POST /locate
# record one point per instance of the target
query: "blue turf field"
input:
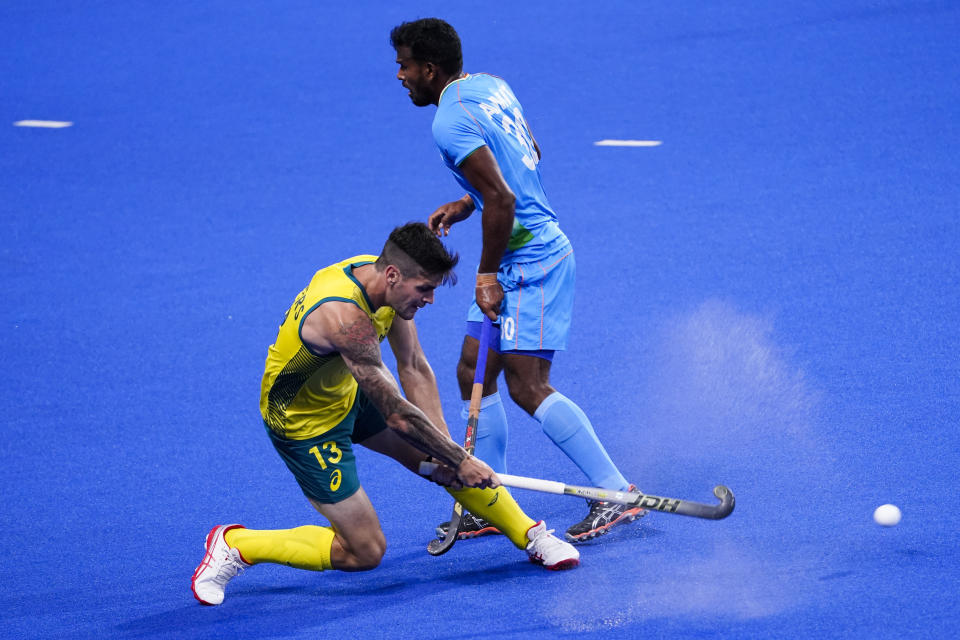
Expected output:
(768, 300)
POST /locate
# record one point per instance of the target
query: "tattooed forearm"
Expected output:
(409, 422)
(360, 348)
(414, 427)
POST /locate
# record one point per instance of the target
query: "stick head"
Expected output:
(727, 502)
(438, 547)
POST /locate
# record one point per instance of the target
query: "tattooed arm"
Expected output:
(344, 328)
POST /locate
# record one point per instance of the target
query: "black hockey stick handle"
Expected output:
(631, 498)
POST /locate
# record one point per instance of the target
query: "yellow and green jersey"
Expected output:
(304, 394)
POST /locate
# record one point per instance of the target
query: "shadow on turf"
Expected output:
(337, 594)
(401, 577)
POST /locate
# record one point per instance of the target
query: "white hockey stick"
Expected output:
(630, 498)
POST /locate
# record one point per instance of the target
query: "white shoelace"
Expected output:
(230, 568)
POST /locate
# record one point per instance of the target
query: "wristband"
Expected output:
(486, 279)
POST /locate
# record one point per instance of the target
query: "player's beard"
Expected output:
(418, 99)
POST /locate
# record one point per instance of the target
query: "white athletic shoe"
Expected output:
(550, 551)
(220, 564)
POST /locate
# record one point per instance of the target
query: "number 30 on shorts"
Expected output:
(334, 456)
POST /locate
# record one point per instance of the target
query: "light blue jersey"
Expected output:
(479, 110)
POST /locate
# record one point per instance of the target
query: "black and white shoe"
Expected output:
(470, 527)
(602, 517)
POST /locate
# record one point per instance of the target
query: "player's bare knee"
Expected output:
(369, 555)
(362, 558)
(523, 392)
(361, 553)
(528, 391)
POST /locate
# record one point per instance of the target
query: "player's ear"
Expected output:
(393, 274)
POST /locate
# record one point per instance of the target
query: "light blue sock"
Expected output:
(570, 429)
(491, 442)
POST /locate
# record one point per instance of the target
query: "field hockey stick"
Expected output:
(438, 547)
(629, 498)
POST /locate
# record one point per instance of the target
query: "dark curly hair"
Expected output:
(430, 40)
(415, 250)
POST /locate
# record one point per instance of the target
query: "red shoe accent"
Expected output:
(486, 531)
(569, 563)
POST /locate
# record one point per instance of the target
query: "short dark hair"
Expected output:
(430, 40)
(415, 250)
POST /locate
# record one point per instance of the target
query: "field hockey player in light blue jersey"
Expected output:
(525, 280)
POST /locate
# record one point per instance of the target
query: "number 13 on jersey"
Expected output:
(334, 456)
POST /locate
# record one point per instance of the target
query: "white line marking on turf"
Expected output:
(628, 143)
(43, 124)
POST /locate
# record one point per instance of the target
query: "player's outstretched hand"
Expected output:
(448, 215)
(474, 472)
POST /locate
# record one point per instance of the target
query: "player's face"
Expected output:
(412, 75)
(411, 294)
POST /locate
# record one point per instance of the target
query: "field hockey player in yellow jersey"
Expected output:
(325, 388)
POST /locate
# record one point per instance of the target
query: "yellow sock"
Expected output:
(497, 507)
(306, 547)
